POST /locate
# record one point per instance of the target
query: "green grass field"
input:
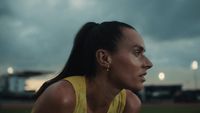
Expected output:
(154, 108)
(175, 108)
(15, 110)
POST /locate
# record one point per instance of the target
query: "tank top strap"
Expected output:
(119, 102)
(79, 85)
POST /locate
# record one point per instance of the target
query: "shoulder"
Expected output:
(133, 103)
(57, 98)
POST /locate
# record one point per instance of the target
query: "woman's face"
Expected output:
(129, 64)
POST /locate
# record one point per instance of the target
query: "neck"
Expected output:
(100, 92)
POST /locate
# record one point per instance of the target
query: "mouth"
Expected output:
(142, 78)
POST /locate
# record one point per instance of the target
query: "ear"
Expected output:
(103, 58)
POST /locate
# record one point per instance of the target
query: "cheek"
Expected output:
(126, 66)
(128, 62)
(125, 72)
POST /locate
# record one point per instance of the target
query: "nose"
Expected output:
(147, 63)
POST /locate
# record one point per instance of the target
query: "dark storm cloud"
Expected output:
(172, 19)
(30, 38)
(4, 10)
(161, 19)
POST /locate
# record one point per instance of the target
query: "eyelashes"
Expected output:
(137, 53)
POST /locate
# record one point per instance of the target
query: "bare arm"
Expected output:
(57, 98)
(133, 103)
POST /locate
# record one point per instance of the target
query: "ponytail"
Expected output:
(76, 64)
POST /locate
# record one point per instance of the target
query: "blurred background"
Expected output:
(36, 37)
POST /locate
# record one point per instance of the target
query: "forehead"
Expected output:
(131, 37)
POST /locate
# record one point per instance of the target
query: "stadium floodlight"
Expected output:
(10, 70)
(194, 67)
(161, 76)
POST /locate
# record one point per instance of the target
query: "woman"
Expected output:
(106, 65)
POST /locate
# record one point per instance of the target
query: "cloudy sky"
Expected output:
(38, 34)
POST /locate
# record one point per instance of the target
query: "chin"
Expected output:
(136, 88)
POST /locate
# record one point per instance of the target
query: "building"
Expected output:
(161, 93)
(13, 85)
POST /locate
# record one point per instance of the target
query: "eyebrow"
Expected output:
(140, 47)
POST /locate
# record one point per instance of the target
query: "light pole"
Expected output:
(194, 67)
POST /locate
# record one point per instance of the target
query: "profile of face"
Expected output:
(129, 65)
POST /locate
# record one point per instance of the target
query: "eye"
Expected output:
(137, 53)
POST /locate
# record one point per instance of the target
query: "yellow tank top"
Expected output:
(79, 85)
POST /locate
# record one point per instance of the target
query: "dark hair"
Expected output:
(91, 37)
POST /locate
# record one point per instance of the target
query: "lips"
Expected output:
(142, 77)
